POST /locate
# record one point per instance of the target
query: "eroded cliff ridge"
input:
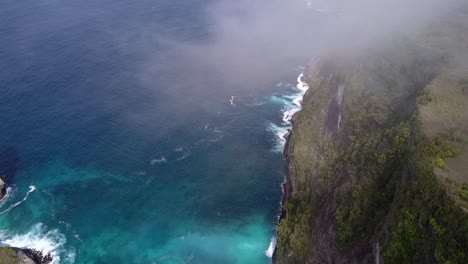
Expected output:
(375, 158)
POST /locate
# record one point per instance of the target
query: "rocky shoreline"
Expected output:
(3, 188)
(286, 188)
(14, 255)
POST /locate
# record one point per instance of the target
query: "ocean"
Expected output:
(112, 159)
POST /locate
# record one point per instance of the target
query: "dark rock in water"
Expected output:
(2, 188)
(9, 160)
(12, 255)
(36, 255)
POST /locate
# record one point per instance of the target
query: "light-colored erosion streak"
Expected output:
(333, 114)
(339, 98)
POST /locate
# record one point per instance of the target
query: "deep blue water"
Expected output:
(123, 163)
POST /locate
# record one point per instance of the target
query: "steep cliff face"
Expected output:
(362, 186)
(3, 188)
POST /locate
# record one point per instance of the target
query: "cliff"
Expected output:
(375, 175)
(3, 188)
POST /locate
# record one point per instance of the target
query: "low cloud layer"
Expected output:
(251, 41)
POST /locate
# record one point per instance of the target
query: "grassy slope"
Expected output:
(8, 256)
(444, 115)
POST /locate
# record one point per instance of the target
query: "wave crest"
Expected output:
(40, 238)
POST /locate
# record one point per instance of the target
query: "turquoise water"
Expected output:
(105, 166)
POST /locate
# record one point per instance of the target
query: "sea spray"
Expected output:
(7, 197)
(40, 238)
(32, 188)
(291, 105)
(271, 248)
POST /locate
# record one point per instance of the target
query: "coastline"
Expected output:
(24, 255)
(286, 189)
(286, 185)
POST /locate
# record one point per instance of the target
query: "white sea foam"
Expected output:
(216, 139)
(184, 156)
(280, 133)
(179, 149)
(7, 197)
(157, 161)
(288, 114)
(298, 101)
(271, 249)
(291, 105)
(32, 188)
(232, 100)
(39, 238)
(183, 151)
(301, 85)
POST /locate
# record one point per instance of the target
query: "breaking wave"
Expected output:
(7, 197)
(271, 248)
(40, 238)
(291, 103)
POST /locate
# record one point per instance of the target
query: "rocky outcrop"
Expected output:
(13, 255)
(3, 188)
(24, 258)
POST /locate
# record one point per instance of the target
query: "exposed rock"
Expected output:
(3, 188)
(23, 258)
(12, 255)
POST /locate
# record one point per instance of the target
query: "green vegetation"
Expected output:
(375, 160)
(294, 231)
(459, 190)
(305, 153)
(398, 199)
(425, 98)
(8, 256)
(394, 196)
(377, 181)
